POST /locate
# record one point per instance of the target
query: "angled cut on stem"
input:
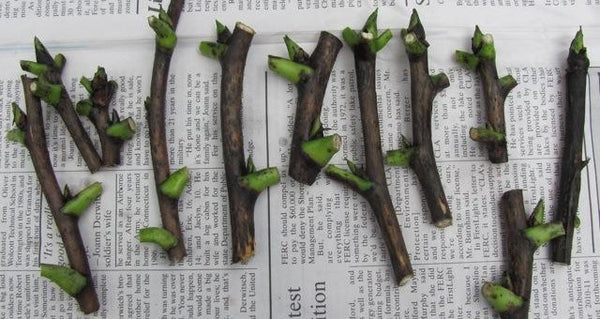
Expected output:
(310, 150)
(244, 182)
(522, 238)
(571, 160)
(164, 26)
(65, 208)
(495, 91)
(49, 87)
(419, 155)
(371, 182)
(112, 131)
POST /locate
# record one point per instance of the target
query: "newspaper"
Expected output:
(319, 251)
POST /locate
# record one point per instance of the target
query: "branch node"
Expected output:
(49, 93)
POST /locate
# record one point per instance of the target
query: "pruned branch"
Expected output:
(522, 238)
(49, 87)
(164, 26)
(111, 130)
(495, 90)
(244, 183)
(31, 128)
(419, 155)
(371, 183)
(571, 160)
(310, 150)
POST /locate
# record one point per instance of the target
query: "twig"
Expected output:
(522, 238)
(165, 26)
(310, 150)
(571, 162)
(419, 156)
(112, 131)
(65, 209)
(371, 183)
(244, 183)
(495, 90)
(49, 87)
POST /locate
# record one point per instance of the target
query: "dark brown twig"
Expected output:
(49, 87)
(310, 74)
(35, 141)
(495, 90)
(112, 131)
(244, 184)
(571, 161)
(522, 238)
(419, 156)
(164, 26)
(371, 183)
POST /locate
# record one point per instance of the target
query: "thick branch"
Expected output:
(378, 195)
(158, 141)
(311, 91)
(571, 161)
(244, 184)
(64, 105)
(35, 142)
(424, 88)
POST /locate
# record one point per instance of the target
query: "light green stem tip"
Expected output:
(159, 236)
(414, 20)
(501, 298)
(78, 204)
(173, 186)
(486, 135)
(379, 43)
(69, 280)
(371, 24)
(50, 93)
(322, 149)
(542, 234)
(165, 35)
(212, 50)
(294, 50)
(33, 67)
(351, 37)
(258, 181)
(87, 84)
(291, 70)
(537, 216)
(577, 43)
(347, 177)
(220, 27)
(470, 61)
(16, 135)
(122, 130)
(84, 107)
(398, 157)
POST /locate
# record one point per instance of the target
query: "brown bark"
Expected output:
(35, 142)
(571, 161)
(311, 91)
(158, 141)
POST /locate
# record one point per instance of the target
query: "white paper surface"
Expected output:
(319, 252)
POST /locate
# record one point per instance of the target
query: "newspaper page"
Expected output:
(319, 251)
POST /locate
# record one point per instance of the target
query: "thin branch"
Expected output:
(522, 238)
(310, 74)
(571, 161)
(419, 155)
(495, 90)
(164, 26)
(35, 141)
(49, 87)
(244, 183)
(112, 131)
(371, 183)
